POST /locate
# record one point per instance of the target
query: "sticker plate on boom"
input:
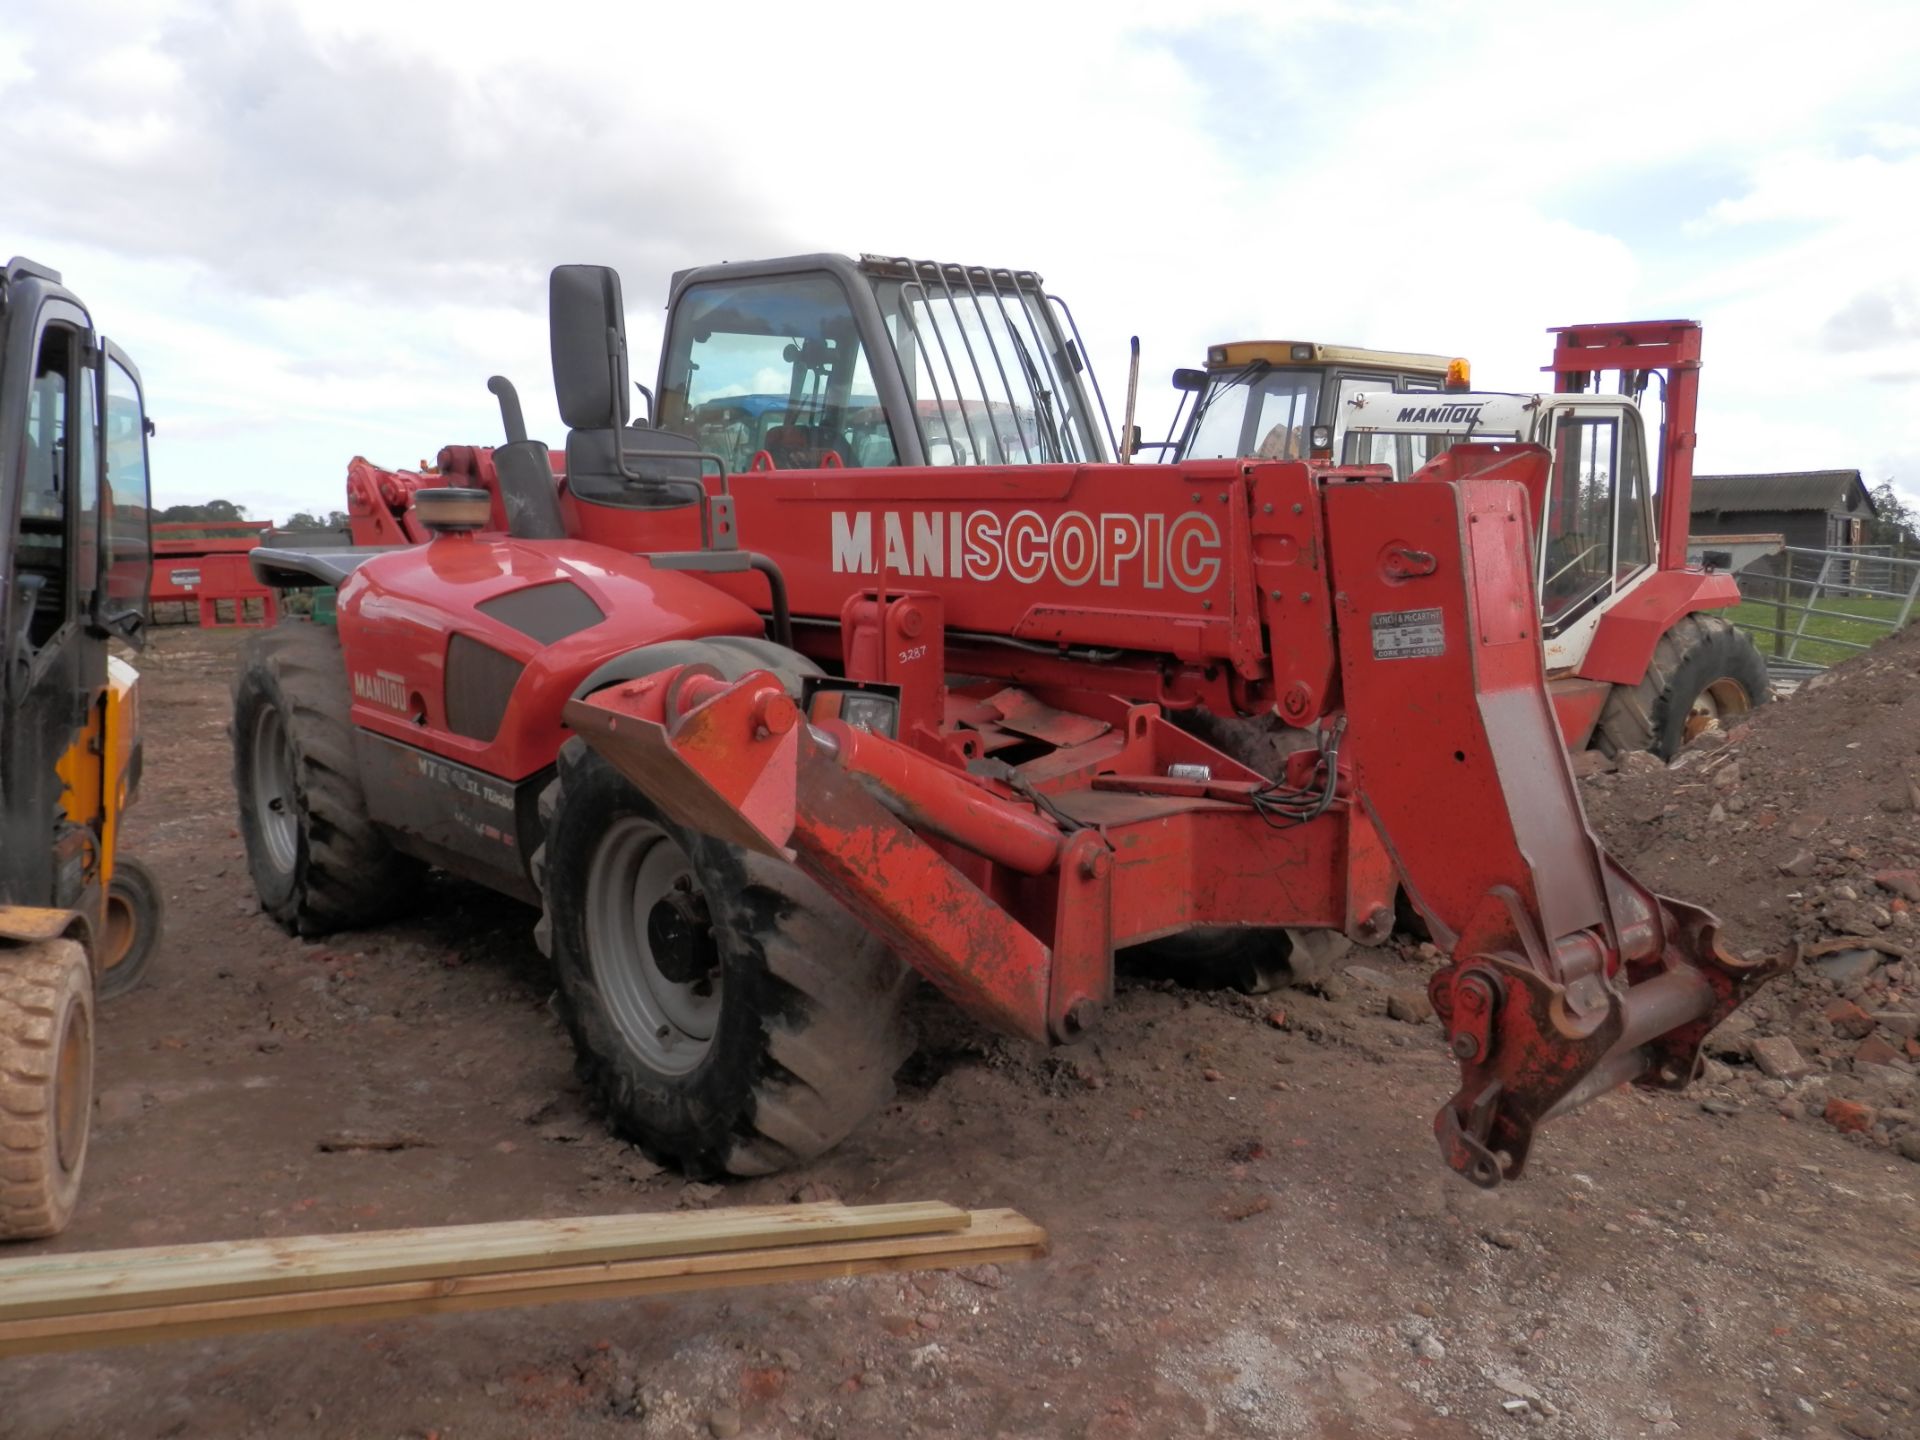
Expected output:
(1408, 634)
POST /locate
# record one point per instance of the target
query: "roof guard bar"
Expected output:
(940, 339)
(1055, 404)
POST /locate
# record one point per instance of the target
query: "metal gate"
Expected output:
(1810, 609)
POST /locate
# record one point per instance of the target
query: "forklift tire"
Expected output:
(46, 1085)
(319, 862)
(783, 1031)
(1703, 672)
(132, 932)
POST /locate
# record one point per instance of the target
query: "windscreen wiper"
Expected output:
(1042, 398)
(1245, 375)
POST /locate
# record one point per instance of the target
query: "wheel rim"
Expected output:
(274, 801)
(72, 1096)
(649, 948)
(121, 927)
(1721, 699)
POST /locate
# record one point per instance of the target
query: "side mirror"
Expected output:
(588, 327)
(1192, 381)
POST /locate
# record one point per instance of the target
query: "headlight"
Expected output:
(878, 713)
(870, 707)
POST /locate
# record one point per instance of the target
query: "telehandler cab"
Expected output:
(78, 920)
(986, 723)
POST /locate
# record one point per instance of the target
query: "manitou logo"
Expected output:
(1074, 548)
(1439, 415)
(381, 688)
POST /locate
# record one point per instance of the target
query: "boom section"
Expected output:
(1011, 839)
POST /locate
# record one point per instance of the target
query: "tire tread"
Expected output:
(36, 1200)
(351, 876)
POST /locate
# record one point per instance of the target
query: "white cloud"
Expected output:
(320, 226)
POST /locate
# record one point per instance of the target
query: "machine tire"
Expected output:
(810, 1024)
(131, 935)
(1702, 669)
(325, 866)
(46, 1085)
(812, 1019)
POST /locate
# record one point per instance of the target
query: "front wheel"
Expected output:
(1704, 673)
(728, 1014)
(46, 1085)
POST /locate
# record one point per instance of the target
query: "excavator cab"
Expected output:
(76, 920)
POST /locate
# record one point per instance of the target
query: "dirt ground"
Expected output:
(1252, 1234)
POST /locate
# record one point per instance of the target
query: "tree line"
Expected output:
(225, 511)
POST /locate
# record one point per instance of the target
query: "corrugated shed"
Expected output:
(1788, 490)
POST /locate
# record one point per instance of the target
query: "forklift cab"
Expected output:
(74, 925)
(1595, 534)
(73, 573)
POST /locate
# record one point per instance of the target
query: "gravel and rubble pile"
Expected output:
(1800, 828)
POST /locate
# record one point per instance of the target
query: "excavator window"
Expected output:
(773, 365)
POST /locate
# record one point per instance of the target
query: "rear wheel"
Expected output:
(319, 863)
(728, 1014)
(46, 1085)
(1703, 674)
(131, 934)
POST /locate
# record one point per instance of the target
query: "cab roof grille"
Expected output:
(900, 267)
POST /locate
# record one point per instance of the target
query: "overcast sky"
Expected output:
(318, 227)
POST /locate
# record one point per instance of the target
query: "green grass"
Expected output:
(1818, 627)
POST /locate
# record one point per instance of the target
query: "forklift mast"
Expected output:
(1636, 351)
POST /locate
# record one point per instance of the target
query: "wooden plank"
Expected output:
(121, 1279)
(994, 1236)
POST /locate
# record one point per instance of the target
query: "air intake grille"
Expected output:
(545, 612)
(480, 682)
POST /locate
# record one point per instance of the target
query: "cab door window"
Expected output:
(1576, 561)
(774, 365)
(128, 506)
(47, 498)
(1633, 544)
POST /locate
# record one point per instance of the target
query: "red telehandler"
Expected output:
(984, 723)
